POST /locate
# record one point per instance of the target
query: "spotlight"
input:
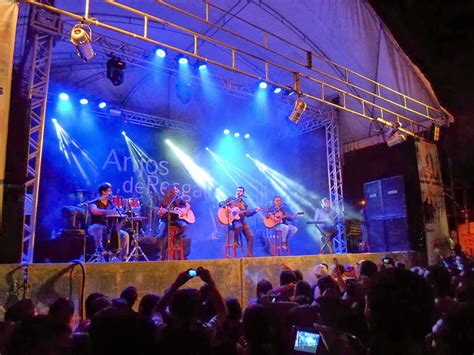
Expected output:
(54, 120)
(298, 110)
(160, 52)
(247, 155)
(83, 101)
(81, 35)
(102, 104)
(226, 131)
(207, 148)
(201, 65)
(115, 73)
(262, 85)
(236, 134)
(182, 59)
(394, 136)
(63, 96)
(247, 135)
(124, 133)
(115, 113)
(167, 141)
(277, 90)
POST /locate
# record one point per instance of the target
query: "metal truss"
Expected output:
(44, 25)
(334, 167)
(393, 108)
(142, 119)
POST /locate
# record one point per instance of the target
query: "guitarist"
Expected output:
(241, 225)
(170, 201)
(282, 215)
(327, 226)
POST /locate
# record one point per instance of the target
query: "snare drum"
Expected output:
(119, 202)
(134, 205)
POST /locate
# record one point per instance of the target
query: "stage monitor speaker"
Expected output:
(396, 234)
(390, 234)
(385, 198)
(376, 236)
(373, 200)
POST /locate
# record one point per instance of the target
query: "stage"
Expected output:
(234, 277)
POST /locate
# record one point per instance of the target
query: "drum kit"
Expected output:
(128, 216)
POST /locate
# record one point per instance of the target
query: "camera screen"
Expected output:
(192, 273)
(306, 341)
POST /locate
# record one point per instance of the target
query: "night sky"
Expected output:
(438, 36)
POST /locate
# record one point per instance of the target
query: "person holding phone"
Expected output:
(184, 333)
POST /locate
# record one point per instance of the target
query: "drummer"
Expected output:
(105, 214)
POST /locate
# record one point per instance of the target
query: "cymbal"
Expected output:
(137, 218)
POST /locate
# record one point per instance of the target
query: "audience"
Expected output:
(360, 309)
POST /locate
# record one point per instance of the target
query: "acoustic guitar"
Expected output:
(277, 218)
(226, 215)
(187, 216)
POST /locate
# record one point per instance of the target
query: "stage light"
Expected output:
(237, 134)
(115, 71)
(247, 135)
(276, 90)
(102, 104)
(63, 96)
(83, 101)
(201, 65)
(298, 110)
(182, 59)
(394, 136)
(115, 113)
(124, 133)
(160, 52)
(81, 35)
(54, 120)
(262, 85)
(167, 141)
(207, 148)
(226, 131)
(247, 155)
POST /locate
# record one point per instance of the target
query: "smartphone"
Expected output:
(192, 273)
(306, 341)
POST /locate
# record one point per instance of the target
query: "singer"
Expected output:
(172, 201)
(240, 225)
(107, 221)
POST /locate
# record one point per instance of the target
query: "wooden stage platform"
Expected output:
(234, 277)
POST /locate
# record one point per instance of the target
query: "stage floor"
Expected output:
(234, 277)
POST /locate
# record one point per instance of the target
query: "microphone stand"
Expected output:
(168, 220)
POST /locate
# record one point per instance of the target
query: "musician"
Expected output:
(241, 225)
(284, 216)
(326, 217)
(100, 209)
(172, 200)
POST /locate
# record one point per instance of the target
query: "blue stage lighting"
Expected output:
(247, 155)
(54, 120)
(124, 133)
(226, 131)
(84, 101)
(201, 65)
(262, 85)
(182, 59)
(247, 135)
(276, 90)
(63, 96)
(160, 52)
(236, 134)
(207, 148)
(102, 104)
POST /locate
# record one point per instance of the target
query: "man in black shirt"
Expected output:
(105, 219)
(240, 224)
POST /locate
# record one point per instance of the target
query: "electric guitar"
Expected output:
(226, 215)
(277, 218)
(187, 216)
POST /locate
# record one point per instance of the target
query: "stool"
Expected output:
(175, 250)
(231, 245)
(276, 244)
